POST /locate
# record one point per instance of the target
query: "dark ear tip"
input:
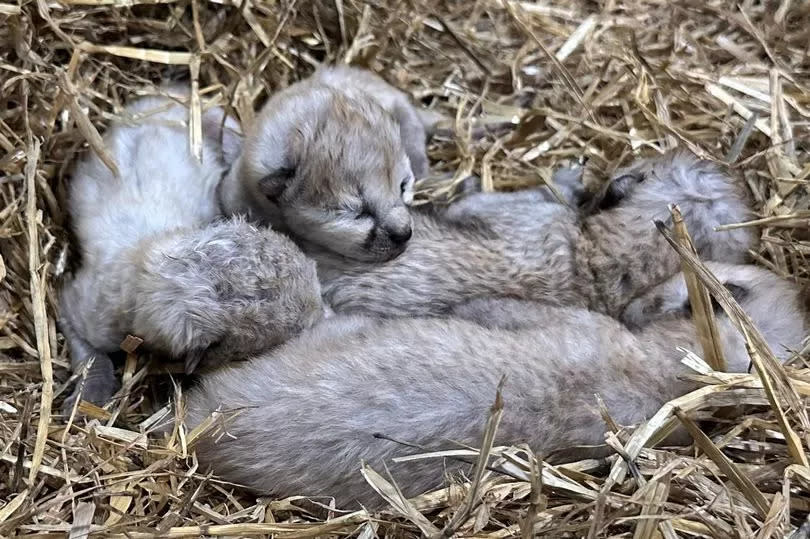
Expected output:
(287, 172)
(739, 293)
(716, 307)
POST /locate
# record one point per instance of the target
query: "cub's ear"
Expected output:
(414, 138)
(225, 130)
(231, 144)
(273, 185)
(618, 188)
(738, 292)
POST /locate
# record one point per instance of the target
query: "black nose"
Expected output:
(400, 236)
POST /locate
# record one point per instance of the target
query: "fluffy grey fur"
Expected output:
(331, 161)
(519, 245)
(153, 265)
(309, 411)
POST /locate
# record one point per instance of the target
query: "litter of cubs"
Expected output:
(336, 268)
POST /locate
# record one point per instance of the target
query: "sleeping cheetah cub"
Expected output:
(331, 161)
(154, 266)
(520, 245)
(425, 381)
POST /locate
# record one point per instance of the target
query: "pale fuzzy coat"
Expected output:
(331, 162)
(309, 411)
(153, 265)
(520, 245)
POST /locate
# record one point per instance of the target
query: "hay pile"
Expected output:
(524, 85)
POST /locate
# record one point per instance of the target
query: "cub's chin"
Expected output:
(361, 251)
(375, 251)
(383, 255)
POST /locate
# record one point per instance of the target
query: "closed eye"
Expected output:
(274, 184)
(638, 177)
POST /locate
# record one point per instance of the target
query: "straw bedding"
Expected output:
(523, 86)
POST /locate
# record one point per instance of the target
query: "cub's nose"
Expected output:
(400, 235)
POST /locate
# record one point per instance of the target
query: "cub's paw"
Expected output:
(97, 389)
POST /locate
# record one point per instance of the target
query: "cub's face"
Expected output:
(344, 181)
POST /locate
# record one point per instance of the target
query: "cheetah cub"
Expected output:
(154, 265)
(521, 245)
(424, 381)
(331, 161)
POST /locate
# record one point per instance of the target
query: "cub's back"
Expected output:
(161, 186)
(308, 412)
(447, 263)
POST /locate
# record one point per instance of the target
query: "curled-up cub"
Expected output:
(429, 381)
(156, 263)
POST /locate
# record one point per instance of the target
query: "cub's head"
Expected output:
(707, 195)
(777, 306)
(329, 169)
